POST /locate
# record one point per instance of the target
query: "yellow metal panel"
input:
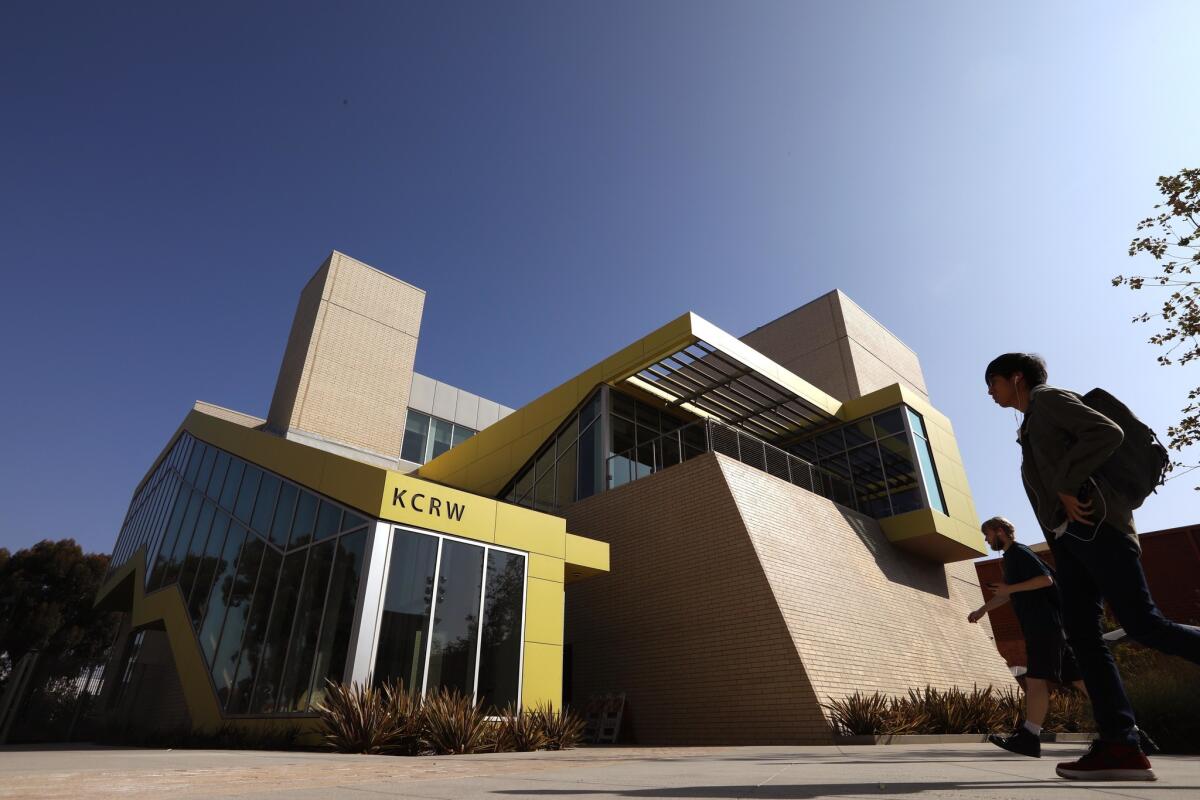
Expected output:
(961, 538)
(547, 568)
(357, 484)
(868, 404)
(584, 552)
(531, 531)
(439, 508)
(544, 612)
(542, 679)
(625, 362)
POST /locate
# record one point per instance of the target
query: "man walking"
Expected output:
(1029, 585)
(1091, 532)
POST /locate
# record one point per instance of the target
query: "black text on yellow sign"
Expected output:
(428, 504)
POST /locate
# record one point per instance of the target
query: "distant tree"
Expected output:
(46, 602)
(1172, 238)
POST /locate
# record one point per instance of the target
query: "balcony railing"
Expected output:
(711, 436)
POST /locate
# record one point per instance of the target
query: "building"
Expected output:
(1170, 559)
(729, 531)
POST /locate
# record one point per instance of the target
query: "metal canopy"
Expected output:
(705, 378)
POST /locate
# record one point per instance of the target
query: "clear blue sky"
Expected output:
(566, 177)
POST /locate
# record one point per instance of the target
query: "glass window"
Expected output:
(175, 562)
(193, 466)
(191, 559)
(416, 432)
(591, 462)
(567, 469)
(233, 480)
(206, 468)
(285, 509)
(590, 410)
(404, 629)
(264, 506)
(915, 422)
(622, 404)
(241, 592)
(334, 646)
(900, 472)
(306, 520)
(207, 569)
(293, 690)
(218, 475)
(256, 631)
(247, 493)
(456, 625)
(525, 483)
(543, 492)
(622, 437)
(867, 473)
(350, 521)
(889, 423)
(461, 434)
(932, 487)
(328, 519)
(169, 538)
(830, 444)
(275, 644)
(440, 438)
(222, 592)
(500, 650)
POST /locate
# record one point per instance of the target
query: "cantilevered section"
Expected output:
(689, 362)
(692, 365)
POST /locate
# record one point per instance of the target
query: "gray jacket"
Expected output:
(1063, 443)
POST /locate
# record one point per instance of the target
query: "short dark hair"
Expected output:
(1031, 367)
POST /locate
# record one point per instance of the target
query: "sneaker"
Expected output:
(1148, 745)
(1022, 741)
(1109, 761)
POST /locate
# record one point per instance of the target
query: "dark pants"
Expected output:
(1108, 567)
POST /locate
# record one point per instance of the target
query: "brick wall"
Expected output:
(737, 603)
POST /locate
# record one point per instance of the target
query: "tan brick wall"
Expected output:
(736, 603)
(347, 369)
(839, 348)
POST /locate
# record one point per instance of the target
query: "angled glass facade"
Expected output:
(426, 437)
(269, 573)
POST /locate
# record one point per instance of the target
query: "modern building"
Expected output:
(730, 532)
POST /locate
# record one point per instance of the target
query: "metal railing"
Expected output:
(711, 436)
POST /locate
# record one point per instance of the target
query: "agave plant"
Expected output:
(358, 718)
(563, 729)
(859, 714)
(454, 723)
(519, 731)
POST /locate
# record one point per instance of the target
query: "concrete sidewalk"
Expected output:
(980, 772)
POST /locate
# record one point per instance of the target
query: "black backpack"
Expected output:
(1139, 466)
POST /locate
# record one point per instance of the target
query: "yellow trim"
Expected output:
(934, 535)
(544, 612)
(543, 675)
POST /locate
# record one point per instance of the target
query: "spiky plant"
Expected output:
(859, 714)
(357, 718)
(563, 729)
(518, 731)
(455, 724)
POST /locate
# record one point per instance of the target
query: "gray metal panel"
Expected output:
(445, 398)
(489, 412)
(466, 412)
(505, 411)
(421, 396)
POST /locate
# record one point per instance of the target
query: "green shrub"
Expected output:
(563, 729)
(454, 724)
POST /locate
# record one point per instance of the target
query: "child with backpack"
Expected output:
(1073, 458)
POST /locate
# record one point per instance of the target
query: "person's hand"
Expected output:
(1077, 510)
(975, 615)
(1001, 589)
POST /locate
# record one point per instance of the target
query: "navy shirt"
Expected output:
(1037, 611)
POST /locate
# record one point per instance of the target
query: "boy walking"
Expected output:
(1090, 529)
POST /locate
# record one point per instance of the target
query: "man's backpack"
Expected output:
(1139, 466)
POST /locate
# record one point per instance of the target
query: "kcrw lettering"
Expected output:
(434, 506)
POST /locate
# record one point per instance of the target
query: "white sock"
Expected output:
(1036, 730)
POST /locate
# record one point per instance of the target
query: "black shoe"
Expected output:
(1022, 741)
(1147, 744)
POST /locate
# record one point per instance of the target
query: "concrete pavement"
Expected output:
(979, 772)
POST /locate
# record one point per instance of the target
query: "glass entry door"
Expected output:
(432, 638)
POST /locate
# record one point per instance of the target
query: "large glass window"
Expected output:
(404, 629)
(434, 639)
(268, 572)
(426, 437)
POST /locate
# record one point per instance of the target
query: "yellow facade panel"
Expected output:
(531, 531)
(543, 674)
(544, 612)
(584, 552)
(548, 568)
(624, 362)
(430, 505)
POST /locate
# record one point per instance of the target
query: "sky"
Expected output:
(567, 177)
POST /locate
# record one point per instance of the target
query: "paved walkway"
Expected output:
(979, 772)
